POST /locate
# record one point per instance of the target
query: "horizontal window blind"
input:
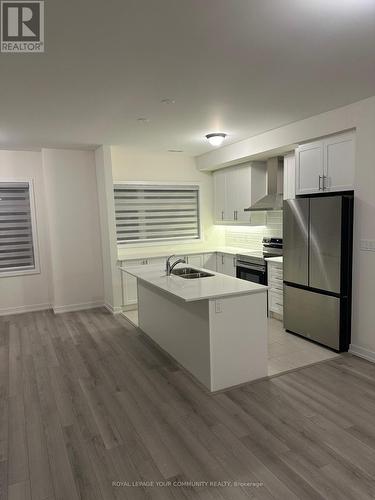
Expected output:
(153, 213)
(16, 239)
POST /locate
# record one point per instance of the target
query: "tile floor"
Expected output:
(285, 351)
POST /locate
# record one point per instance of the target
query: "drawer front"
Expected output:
(275, 272)
(275, 283)
(276, 303)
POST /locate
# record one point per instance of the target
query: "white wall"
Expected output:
(134, 165)
(111, 275)
(360, 115)
(29, 292)
(74, 228)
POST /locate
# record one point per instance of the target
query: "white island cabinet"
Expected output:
(215, 327)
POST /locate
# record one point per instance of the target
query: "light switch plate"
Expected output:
(367, 245)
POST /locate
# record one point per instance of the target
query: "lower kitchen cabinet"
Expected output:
(129, 283)
(275, 291)
(226, 264)
(209, 261)
(195, 260)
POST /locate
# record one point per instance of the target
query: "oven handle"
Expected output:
(253, 267)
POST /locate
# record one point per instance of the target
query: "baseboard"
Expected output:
(113, 310)
(77, 307)
(362, 352)
(24, 309)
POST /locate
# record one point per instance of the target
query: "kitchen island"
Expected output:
(215, 326)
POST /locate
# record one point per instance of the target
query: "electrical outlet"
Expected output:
(218, 306)
(367, 245)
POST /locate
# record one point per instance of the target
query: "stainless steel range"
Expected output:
(252, 266)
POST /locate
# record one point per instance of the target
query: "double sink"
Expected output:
(188, 273)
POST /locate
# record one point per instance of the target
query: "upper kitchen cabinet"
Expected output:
(326, 165)
(235, 188)
(339, 161)
(309, 167)
(289, 176)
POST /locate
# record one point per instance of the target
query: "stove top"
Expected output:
(272, 247)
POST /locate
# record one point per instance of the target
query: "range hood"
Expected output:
(274, 197)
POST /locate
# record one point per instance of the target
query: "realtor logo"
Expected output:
(22, 26)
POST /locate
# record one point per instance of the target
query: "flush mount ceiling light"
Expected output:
(168, 100)
(216, 139)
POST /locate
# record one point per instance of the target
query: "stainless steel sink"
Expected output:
(189, 273)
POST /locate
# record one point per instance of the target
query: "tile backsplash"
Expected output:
(251, 236)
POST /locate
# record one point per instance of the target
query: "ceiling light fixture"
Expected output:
(168, 100)
(216, 139)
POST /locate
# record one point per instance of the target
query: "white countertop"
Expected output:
(148, 253)
(212, 287)
(274, 259)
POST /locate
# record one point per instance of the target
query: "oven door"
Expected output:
(252, 272)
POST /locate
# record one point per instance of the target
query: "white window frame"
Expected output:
(36, 269)
(163, 242)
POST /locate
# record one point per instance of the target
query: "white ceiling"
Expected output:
(237, 66)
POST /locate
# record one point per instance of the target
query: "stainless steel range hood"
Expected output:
(274, 197)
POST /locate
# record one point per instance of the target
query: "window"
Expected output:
(146, 213)
(17, 248)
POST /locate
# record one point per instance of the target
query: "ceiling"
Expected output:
(238, 66)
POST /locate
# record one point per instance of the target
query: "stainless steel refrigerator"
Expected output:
(318, 240)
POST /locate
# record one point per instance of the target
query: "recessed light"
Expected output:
(167, 100)
(216, 139)
(143, 120)
(175, 150)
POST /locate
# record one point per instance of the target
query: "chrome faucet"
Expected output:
(169, 267)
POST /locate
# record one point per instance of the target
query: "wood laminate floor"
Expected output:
(89, 409)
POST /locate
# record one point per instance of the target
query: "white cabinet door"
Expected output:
(339, 162)
(130, 283)
(289, 177)
(229, 265)
(226, 264)
(220, 262)
(220, 196)
(239, 193)
(236, 188)
(309, 168)
(209, 261)
(194, 260)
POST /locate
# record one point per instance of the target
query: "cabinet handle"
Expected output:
(222, 259)
(325, 186)
(222, 215)
(236, 215)
(321, 177)
(234, 261)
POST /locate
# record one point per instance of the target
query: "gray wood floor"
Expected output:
(85, 401)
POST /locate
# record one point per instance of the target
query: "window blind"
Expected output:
(153, 213)
(16, 239)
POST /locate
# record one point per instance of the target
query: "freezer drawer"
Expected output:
(312, 315)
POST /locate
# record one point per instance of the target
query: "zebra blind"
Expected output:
(147, 213)
(16, 238)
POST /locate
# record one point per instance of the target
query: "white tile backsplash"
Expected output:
(251, 236)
